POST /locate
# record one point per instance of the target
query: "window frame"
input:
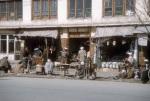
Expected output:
(13, 13)
(3, 17)
(7, 43)
(114, 8)
(48, 15)
(84, 8)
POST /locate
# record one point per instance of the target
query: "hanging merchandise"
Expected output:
(107, 43)
(123, 42)
(114, 43)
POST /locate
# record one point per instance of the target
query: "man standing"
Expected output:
(64, 55)
(81, 54)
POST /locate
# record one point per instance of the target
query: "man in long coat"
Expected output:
(81, 54)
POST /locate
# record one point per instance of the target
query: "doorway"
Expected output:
(76, 43)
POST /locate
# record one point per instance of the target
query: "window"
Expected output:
(129, 7)
(118, 7)
(19, 10)
(3, 43)
(3, 10)
(79, 8)
(108, 7)
(11, 44)
(53, 10)
(6, 43)
(44, 9)
(11, 10)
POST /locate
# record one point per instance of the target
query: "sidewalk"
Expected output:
(102, 75)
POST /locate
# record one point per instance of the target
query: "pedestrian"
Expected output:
(49, 65)
(52, 53)
(26, 52)
(64, 55)
(45, 54)
(81, 54)
(25, 57)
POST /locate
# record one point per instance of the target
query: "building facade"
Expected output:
(106, 28)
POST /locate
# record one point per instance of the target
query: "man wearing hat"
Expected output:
(81, 54)
(64, 55)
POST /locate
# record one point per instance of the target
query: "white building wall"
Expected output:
(62, 21)
(62, 11)
(96, 11)
(27, 12)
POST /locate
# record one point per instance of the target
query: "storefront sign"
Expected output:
(78, 35)
(64, 35)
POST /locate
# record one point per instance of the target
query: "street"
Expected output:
(44, 89)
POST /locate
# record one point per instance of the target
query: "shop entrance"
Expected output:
(41, 42)
(116, 48)
(76, 43)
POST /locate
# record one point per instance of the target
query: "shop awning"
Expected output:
(113, 31)
(142, 29)
(43, 33)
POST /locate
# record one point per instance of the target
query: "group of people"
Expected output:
(127, 70)
(82, 54)
(83, 58)
(45, 55)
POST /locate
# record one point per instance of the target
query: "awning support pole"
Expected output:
(46, 47)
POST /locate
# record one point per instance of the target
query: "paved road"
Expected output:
(44, 89)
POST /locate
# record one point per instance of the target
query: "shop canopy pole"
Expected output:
(46, 47)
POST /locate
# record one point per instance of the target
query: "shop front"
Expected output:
(41, 39)
(142, 33)
(74, 38)
(113, 44)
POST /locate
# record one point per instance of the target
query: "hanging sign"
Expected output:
(142, 39)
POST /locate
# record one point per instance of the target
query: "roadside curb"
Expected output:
(109, 79)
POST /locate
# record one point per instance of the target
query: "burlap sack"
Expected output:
(18, 68)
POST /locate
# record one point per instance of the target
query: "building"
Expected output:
(106, 28)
